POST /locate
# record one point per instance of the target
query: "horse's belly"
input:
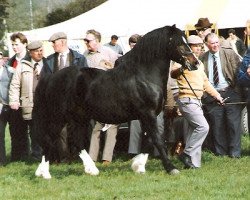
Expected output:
(110, 115)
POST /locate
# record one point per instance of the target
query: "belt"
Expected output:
(223, 89)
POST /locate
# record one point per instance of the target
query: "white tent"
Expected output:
(126, 17)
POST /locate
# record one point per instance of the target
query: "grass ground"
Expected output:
(219, 178)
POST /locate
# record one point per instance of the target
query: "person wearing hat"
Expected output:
(22, 88)
(63, 56)
(189, 102)
(203, 27)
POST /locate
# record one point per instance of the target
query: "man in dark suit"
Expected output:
(61, 58)
(221, 66)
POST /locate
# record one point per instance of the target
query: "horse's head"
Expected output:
(180, 50)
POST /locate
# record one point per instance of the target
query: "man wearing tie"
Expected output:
(63, 56)
(22, 89)
(221, 65)
(66, 57)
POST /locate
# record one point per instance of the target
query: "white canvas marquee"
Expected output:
(127, 17)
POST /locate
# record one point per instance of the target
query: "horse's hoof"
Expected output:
(174, 172)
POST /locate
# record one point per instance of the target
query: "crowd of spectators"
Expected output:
(223, 73)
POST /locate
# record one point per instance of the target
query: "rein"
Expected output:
(190, 87)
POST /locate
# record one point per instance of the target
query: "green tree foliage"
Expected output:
(20, 13)
(25, 14)
(71, 10)
(57, 16)
(3, 15)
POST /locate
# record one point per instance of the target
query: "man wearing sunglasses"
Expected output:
(203, 27)
(100, 57)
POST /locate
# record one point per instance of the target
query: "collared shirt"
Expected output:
(39, 66)
(65, 57)
(222, 81)
(102, 59)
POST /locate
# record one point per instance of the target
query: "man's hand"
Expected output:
(14, 106)
(220, 100)
(248, 70)
(106, 64)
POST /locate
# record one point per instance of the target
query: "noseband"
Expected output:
(186, 62)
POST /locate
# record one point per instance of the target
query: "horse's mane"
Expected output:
(154, 45)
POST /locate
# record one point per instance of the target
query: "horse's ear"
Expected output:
(174, 26)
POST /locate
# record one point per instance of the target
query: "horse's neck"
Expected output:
(161, 67)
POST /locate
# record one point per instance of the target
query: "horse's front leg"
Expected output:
(151, 127)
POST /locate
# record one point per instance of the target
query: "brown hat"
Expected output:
(57, 36)
(203, 23)
(34, 45)
(194, 39)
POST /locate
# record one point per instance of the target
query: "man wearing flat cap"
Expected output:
(63, 56)
(189, 102)
(23, 85)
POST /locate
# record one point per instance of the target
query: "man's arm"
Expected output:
(14, 90)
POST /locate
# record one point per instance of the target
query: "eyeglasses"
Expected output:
(87, 40)
(201, 29)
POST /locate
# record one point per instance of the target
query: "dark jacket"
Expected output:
(76, 59)
(13, 58)
(241, 48)
(243, 77)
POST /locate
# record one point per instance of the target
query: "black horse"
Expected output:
(134, 89)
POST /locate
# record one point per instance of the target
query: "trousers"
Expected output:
(135, 139)
(110, 141)
(197, 128)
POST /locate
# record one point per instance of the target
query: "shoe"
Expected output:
(234, 156)
(106, 162)
(186, 160)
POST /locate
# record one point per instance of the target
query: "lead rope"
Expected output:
(182, 73)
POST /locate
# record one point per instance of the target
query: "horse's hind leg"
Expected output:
(150, 126)
(58, 135)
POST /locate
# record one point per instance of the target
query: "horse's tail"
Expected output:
(40, 115)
